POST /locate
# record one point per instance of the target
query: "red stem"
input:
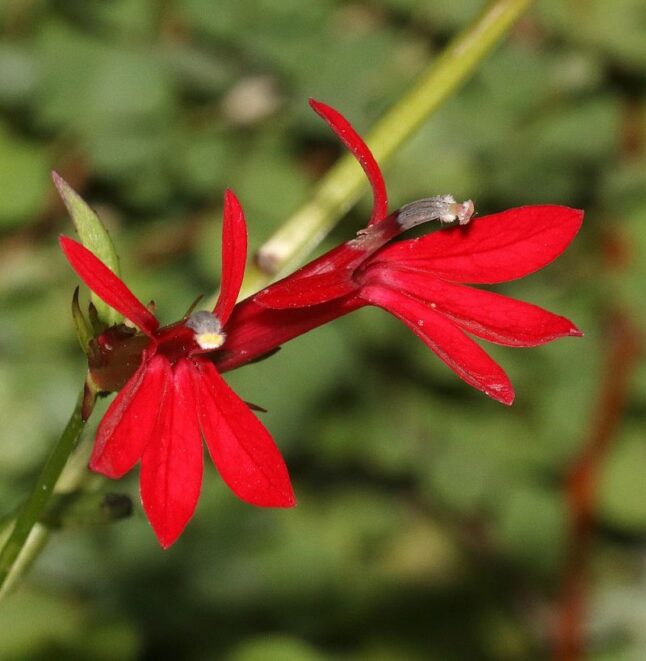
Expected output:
(582, 484)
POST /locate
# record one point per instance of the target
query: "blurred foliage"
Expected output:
(431, 521)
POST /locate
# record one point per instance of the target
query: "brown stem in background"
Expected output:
(582, 482)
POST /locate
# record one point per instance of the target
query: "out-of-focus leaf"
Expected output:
(18, 73)
(81, 509)
(69, 61)
(128, 89)
(126, 18)
(34, 620)
(199, 71)
(614, 29)
(205, 163)
(623, 488)
(23, 179)
(276, 648)
(267, 173)
(532, 526)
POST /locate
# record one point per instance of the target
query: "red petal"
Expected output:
(311, 290)
(129, 422)
(459, 352)
(353, 141)
(254, 331)
(105, 284)
(171, 467)
(240, 446)
(483, 313)
(234, 256)
(496, 248)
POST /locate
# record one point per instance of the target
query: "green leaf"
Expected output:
(19, 75)
(23, 178)
(94, 237)
(35, 619)
(622, 499)
(275, 647)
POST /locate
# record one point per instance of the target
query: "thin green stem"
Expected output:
(34, 545)
(343, 184)
(40, 494)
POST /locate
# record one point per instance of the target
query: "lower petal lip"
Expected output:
(241, 447)
(458, 351)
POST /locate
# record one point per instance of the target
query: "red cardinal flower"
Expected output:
(176, 396)
(171, 388)
(418, 281)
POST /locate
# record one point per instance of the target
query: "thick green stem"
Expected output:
(33, 508)
(343, 184)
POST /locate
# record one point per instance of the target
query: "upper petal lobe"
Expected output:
(497, 248)
(107, 286)
(353, 141)
(234, 256)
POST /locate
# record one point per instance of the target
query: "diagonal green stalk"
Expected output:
(334, 195)
(344, 183)
(31, 511)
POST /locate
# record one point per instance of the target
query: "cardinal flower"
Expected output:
(171, 391)
(176, 396)
(419, 281)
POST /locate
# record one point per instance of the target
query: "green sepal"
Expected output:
(90, 391)
(83, 508)
(98, 325)
(94, 236)
(82, 326)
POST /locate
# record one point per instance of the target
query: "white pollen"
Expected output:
(207, 328)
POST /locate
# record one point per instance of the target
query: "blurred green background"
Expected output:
(431, 521)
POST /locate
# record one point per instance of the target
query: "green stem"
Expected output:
(40, 495)
(343, 184)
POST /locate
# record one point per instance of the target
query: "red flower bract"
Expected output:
(177, 395)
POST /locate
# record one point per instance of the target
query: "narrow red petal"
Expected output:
(485, 314)
(353, 141)
(306, 291)
(329, 276)
(496, 248)
(254, 331)
(129, 423)
(172, 464)
(109, 287)
(467, 359)
(240, 446)
(234, 256)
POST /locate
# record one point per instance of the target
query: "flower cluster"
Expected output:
(172, 394)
